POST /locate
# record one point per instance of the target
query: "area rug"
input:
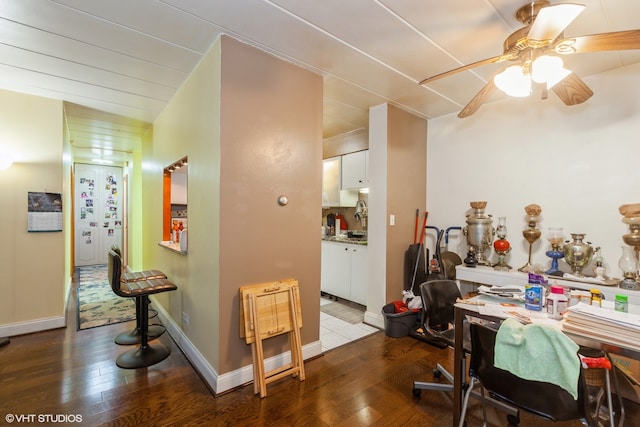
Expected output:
(347, 311)
(97, 304)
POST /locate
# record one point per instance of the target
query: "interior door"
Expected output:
(99, 213)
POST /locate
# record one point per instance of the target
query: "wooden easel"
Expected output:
(268, 310)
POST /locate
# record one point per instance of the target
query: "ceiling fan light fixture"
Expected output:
(513, 81)
(548, 69)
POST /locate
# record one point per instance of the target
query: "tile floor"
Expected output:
(335, 332)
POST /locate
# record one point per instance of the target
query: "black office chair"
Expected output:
(545, 400)
(145, 355)
(438, 300)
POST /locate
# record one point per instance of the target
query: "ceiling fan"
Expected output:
(536, 51)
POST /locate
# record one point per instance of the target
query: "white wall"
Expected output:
(578, 163)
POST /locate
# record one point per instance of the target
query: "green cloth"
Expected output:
(538, 352)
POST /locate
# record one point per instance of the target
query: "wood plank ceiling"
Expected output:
(117, 63)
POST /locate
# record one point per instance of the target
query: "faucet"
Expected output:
(362, 212)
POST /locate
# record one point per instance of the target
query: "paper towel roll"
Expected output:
(337, 226)
(183, 240)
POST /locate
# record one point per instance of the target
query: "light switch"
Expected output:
(392, 220)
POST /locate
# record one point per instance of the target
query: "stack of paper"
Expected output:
(603, 324)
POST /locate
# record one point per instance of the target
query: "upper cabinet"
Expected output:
(355, 170)
(179, 186)
(331, 181)
(332, 194)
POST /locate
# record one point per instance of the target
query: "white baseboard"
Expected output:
(220, 383)
(38, 325)
(374, 319)
(32, 326)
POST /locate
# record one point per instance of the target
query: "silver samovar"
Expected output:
(479, 231)
(577, 253)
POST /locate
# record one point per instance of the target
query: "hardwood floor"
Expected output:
(68, 373)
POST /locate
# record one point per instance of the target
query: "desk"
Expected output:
(463, 310)
(488, 276)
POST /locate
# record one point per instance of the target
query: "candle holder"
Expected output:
(629, 261)
(501, 246)
(555, 237)
(629, 266)
(531, 233)
(598, 264)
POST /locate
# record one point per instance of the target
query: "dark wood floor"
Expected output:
(368, 382)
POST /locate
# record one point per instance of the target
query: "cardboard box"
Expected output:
(629, 381)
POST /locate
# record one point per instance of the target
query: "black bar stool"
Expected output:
(145, 355)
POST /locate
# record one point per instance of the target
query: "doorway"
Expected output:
(341, 322)
(99, 214)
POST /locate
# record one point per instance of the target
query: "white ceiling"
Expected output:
(128, 57)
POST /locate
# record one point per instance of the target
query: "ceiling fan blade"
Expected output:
(618, 40)
(572, 90)
(551, 21)
(480, 98)
(487, 61)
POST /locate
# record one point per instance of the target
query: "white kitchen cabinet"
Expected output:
(336, 270)
(332, 194)
(344, 271)
(354, 170)
(359, 274)
(331, 181)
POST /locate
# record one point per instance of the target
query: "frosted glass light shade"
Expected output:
(513, 81)
(5, 161)
(628, 263)
(548, 69)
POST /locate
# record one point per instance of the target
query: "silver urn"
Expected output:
(479, 232)
(577, 253)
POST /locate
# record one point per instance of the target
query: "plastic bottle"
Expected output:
(176, 236)
(557, 302)
(622, 303)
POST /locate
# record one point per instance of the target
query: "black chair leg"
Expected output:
(145, 355)
(134, 336)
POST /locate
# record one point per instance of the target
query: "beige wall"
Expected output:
(251, 125)
(406, 189)
(33, 280)
(397, 173)
(189, 126)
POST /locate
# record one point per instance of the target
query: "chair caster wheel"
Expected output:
(513, 420)
(416, 392)
(437, 373)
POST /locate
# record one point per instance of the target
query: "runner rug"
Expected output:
(345, 310)
(97, 304)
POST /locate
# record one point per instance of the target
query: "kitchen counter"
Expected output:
(345, 239)
(173, 246)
